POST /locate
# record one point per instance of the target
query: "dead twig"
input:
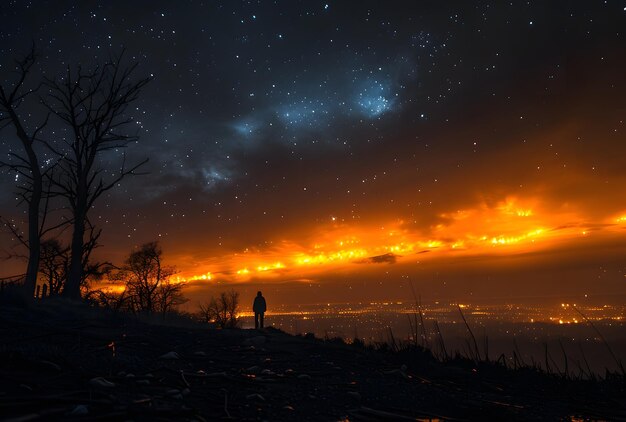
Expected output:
(471, 333)
(606, 343)
(226, 404)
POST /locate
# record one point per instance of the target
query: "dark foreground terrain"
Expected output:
(58, 362)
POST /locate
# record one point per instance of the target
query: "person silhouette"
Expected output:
(259, 307)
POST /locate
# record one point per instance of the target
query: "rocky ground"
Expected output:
(61, 363)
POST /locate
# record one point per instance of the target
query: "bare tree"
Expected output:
(53, 265)
(91, 270)
(148, 285)
(222, 310)
(55, 261)
(108, 300)
(93, 104)
(169, 296)
(26, 165)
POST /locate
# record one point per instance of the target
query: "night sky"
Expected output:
(334, 150)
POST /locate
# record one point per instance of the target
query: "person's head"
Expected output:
(259, 293)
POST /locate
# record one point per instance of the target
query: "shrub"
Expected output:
(222, 310)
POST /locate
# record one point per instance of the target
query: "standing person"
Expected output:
(259, 309)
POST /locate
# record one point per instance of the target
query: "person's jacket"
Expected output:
(259, 304)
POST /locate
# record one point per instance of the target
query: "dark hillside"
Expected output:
(69, 363)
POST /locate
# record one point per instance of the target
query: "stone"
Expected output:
(254, 341)
(170, 356)
(79, 410)
(255, 397)
(100, 382)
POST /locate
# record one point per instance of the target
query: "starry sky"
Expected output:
(335, 150)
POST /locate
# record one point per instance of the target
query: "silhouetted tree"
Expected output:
(169, 296)
(27, 164)
(93, 104)
(92, 270)
(148, 283)
(53, 265)
(222, 310)
(115, 301)
(55, 261)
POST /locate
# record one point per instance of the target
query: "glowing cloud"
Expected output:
(510, 226)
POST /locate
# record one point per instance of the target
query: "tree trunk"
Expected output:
(34, 249)
(75, 274)
(34, 246)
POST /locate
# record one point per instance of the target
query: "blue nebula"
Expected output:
(246, 127)
(312, 115)
(215, 175)
(374, 99)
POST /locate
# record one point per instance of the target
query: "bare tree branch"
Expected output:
(93, 105)
(27, 165)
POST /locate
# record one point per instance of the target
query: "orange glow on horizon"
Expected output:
(508, 227)
(202, 277)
